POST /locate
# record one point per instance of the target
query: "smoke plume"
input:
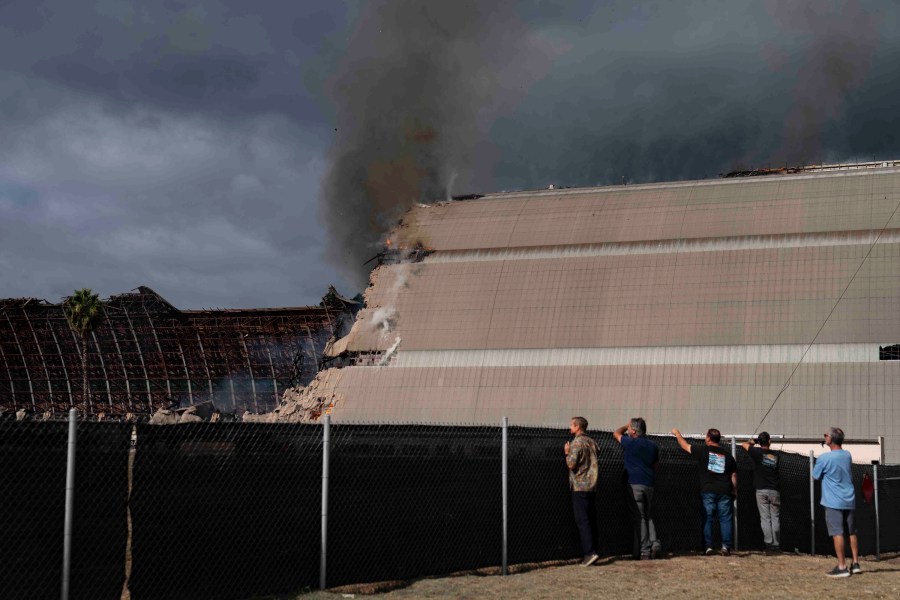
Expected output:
(520, 95)
(418, 88)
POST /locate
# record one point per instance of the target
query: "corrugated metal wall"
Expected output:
(690, 304)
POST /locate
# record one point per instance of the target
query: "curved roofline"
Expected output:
(822, 171)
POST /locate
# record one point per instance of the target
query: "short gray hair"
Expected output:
(837, 435)
(639, 426)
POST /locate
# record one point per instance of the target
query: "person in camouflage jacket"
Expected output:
(581, 458)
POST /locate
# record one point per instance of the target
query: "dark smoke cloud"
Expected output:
(415, 95)
(185, 145)
(577, 94)
(838, 58)
(680, 91)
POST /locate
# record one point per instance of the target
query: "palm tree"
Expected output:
(84, 312)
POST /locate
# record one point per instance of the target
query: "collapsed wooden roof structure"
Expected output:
(148, 354)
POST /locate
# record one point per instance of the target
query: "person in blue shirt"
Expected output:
(839, 500)
(641, 461)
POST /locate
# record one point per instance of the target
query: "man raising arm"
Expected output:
(718, 483)
(641, 461)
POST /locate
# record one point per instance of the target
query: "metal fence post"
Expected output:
(70, 504)
(734, 456)
(877, 519)
(505, 425)
(812, 505)
(326, 443)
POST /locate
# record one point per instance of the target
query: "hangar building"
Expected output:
(744, 303)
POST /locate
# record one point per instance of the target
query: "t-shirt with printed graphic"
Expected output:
(765, 468)
(715, 466)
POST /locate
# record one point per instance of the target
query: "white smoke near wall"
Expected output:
(384, 319)
(389, 353)
(385, 316)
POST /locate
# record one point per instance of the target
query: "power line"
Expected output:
(787, 383)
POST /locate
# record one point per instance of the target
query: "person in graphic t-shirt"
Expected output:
(718, 486)
(768, 488)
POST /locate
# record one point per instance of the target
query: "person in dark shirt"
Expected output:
(641, 461)
(768, 488)
(718, 486)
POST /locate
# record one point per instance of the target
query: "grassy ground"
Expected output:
(742, 575)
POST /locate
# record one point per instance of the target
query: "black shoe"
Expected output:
(709, 552)
(725, 551)
(589, 560)
(655, 551)
(855, 569)
(838, 572)
(645, 557)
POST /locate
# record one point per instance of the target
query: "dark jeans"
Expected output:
(721, 504)
(585, 506)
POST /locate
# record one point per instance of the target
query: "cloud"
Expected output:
(176, 145)
(234, 154)
(206, 211)
(660, 91)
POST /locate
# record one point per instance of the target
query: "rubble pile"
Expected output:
(303, 404)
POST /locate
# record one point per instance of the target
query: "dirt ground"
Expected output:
(742, 575)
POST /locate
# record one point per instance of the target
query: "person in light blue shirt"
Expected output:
(839, 500)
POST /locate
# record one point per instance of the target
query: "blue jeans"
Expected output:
(721, 503)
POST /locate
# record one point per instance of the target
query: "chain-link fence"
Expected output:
(888, 481)
(236, 510)
(33, 459)
(408, 500)
(225, 510)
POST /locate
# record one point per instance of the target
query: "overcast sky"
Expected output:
(238, 154)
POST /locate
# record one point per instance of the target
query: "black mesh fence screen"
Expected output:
(32, 497)
(233, 510)
(541, 522)
(889, 507)
(407, 501)
(225, 510)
